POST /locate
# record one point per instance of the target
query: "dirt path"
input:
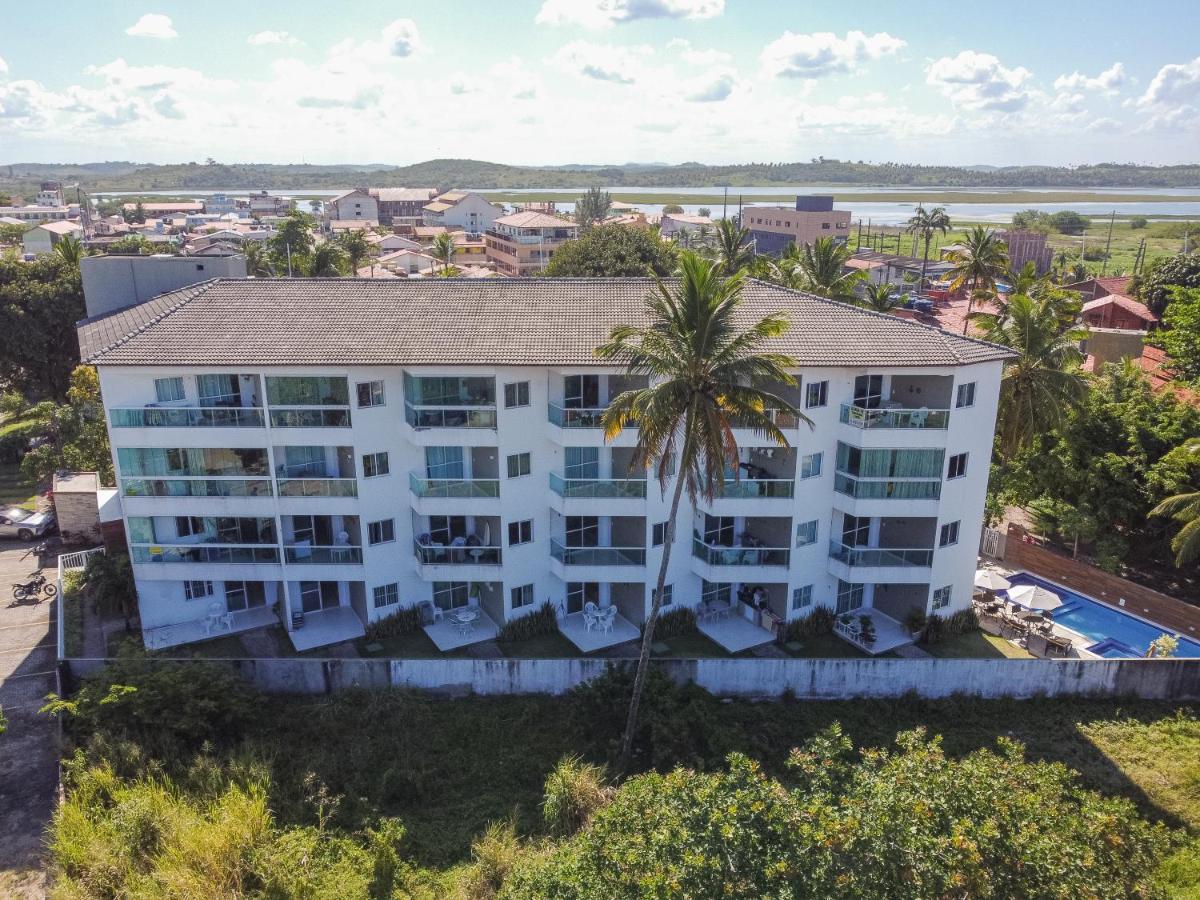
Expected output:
(28, 751)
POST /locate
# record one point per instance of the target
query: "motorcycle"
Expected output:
(35, 589)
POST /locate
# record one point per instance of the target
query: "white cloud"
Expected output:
(1107, 82)
(869, 115)
(263, 38)
(978, 81)
(3, 66)
(605, 13)
(823, 53)
(1104, 123)
(153, 25)
(695, 57)
(715, 90)
(1175, 83)
(602, 62)
(401, 38)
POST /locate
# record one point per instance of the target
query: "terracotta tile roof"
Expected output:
(61, 227)
(1135, 307)
(437, 206)
(545, 321)
(533, 219)
(401, 195)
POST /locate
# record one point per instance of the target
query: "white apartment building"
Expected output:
(319, 453)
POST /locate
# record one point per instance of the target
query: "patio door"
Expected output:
(444, 529)
(581, 462)
(448, 595)
(581, 391)
(849, 596)
(241, 595)
(718, 530)
(444, 463)
(581, 592)
(856, 530)
(868, 391)
(318, 595)
(583, 531)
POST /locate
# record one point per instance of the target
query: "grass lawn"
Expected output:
(15, 488)
(414, 645)
(975, 645)
(542, 646)
(825, 646)
(691, 646)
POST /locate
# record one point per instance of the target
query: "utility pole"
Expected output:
(725, 205)
(289, 258)
(859, 242)
(1108, 247)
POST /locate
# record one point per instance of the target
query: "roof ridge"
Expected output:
(189, 293)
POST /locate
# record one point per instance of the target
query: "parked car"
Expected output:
(25, 525)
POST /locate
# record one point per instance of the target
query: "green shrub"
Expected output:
(819, 621)
(15, 440)
(962, 621)
(676, 623)
(493, 856)
(405, 620)
(935, 629)
(541, 622)
(574, 791)
(914, 621)
(1138, 222)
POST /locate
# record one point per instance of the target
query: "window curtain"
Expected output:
(444, 463)
(218, 390)
(582, 462)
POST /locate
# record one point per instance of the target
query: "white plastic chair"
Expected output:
(590, 615)
(607, 617)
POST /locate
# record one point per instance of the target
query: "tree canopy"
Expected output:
(613, 251)
(40, 302)
(1180, 270)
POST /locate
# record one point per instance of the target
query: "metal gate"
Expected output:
(993, 543)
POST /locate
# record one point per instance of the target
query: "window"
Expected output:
(386, 595)
(658, 534)
(868, 391)
(668, 594)
(810, 465)
(241, 595)
(516, 394)
(715, 593)
(802, 597)
(941, 597)
(197, 590)
(218, 390)
(451, 594)
(958, 466)
(370, 393)
(816, 394)
(856, 530)
(518, 465)
(168, 390)
(581, 592)
(824, 226)
(185, 526)
(520, 532)
(383, 532)
(718, 530)
(849, 596)
(375, 464)
(667, 468)
(949, 534)
(581, 463)
(965, 395)
(522, 596)
(806, 533)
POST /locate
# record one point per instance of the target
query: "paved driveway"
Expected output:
(28, 751)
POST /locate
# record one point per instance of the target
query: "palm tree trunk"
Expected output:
(970, 300)
(639, 679)
(924, 263)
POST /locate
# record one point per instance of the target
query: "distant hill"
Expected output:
(20, 179)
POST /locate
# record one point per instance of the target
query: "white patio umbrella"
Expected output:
(991, 580)
(1035, 597)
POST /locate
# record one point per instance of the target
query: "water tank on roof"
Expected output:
(814, 203)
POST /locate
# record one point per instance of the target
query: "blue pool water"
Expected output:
(1118, 635)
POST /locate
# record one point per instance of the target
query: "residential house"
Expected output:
(386, 243)
(522, 243)
(221, 204)
(42, 238)
(401, 206)
(36, 213)
(401, 262)
(462, 211)
(264, 205)
(1092, 288)
(166, 208)
(772, 228)
(672, 225)
(1117, 311)
(353, 206)
(470, 249)
(319, 454)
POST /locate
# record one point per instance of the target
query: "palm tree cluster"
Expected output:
(924, 224)
(981, 259)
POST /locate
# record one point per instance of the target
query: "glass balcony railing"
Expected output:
(598, 556)
(880, 556)
(450, 416)
(598, 488)
(196, 487)
(781, 418)
(887, 488)
(748, 488)
(205, 553)
(740, 556)
(186, 417)
(861, 417)
(318, 487)
(433, 555)
(332, 555)
(589, 417)
(310, 417)
(453, 487)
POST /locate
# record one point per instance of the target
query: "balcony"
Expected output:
(431, 554)
(877, 557)
(453, 488)
(716, 555)
(563, 417)
(310, 416)
(186, 417)
(598, 488)
(752, 488)
(895, 416)
(205, 553)
(334, 555)
(888, 488)
(422, 417)
(597, 556)
(196, 487)
(318, 487)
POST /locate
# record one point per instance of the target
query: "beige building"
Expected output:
(522, 244)
(774, 227)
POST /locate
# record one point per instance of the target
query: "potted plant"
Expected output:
(866, 630)
(914, 622)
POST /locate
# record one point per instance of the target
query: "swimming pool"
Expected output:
(1117, 634)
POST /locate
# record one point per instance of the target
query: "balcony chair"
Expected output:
(606, 618)
(302, 549)
(431, 613)
(590, 615)
(341, 547)
(917, 419)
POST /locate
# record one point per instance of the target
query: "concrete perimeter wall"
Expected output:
(815, 679)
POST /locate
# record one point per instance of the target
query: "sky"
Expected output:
(546, 82)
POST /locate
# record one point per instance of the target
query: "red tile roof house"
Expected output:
(1094, 288)
(1118, 311)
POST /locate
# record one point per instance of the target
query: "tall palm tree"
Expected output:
(732, 247)
(354, 245)
(881, 297)
(820, 268)
(326, 261)
(706, 371)
(71, 250)
(1043, 382)
(981, 259)
(1184, 508)
(443, 249)
(258, 262)
(924, 224)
